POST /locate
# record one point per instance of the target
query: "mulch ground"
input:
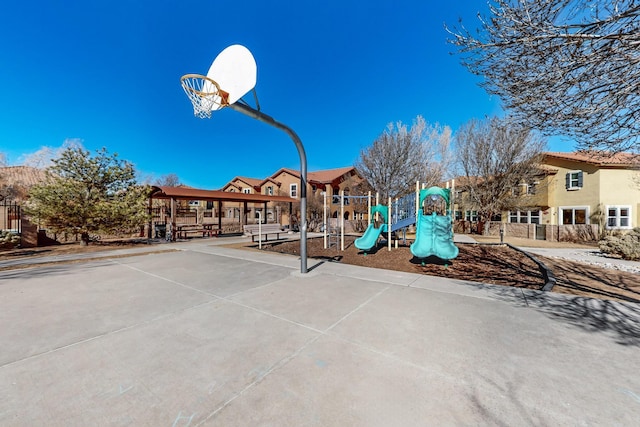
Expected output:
(485, 263)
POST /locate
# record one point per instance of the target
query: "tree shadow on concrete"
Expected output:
(604, 283)
(618, 319)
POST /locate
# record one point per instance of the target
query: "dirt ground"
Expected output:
(486, 263)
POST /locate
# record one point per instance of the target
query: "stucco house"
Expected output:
(286, 182)
(576, 196)
(591, 188)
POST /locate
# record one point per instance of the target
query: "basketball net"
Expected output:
(204, 93)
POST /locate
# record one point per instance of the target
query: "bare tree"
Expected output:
(43, 158)
(564, 67)
(400, 156)
(495, 157)
(170, 180)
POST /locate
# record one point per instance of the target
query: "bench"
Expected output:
(253, 230)
(206, 230)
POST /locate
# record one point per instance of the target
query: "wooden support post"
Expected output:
(264, 213)
(290, 216)
(150, 231)
(243, 214)
(324, 217)
(342, 220)
(173, 219)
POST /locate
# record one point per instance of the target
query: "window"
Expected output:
(270, 190)
(519, 189)
(209, 204)
(524, 217)
(573, 180)
(618, 216)
(458, 215)
(246, 190)
(293, 190)
(574, 216)
(194, 203)
(471, 216)
(531, 187)
(534, 217)
(336, 196)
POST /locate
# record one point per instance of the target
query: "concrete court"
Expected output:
(220, 337)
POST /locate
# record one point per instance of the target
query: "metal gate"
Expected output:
(541, 232)
(10, 216)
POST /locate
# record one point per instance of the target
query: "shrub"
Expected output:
(8, 240)
(626, 245)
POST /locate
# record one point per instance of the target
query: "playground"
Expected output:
(485, 263)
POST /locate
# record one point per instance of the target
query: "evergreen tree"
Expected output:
(87, 194)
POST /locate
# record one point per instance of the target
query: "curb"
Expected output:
(547, 274)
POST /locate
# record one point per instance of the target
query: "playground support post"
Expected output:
(369, 209)
(451, 196)
(417, 197)
(389, 224)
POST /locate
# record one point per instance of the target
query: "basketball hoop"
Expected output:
(204, 93)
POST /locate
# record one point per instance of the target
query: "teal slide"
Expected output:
(434, 233)
(370, 237)
(434, 236)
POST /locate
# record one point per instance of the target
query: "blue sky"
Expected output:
(107, 73)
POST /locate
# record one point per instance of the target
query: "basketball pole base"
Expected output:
(251, 112)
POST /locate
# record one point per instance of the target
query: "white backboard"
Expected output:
(235, 71)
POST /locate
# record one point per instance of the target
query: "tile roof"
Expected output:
(329, 175)
(254, 182)
(187, 193)
(599, 158)
(25, 176)
(324, 176)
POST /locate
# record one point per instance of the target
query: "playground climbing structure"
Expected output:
(434, 229)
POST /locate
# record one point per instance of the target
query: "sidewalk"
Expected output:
(213, 336)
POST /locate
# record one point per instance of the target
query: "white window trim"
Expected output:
(617, 207)
(471, 216)
(291, 190)
(532, 188)
(587, 214)
(577, 187)
(524, 214)
(246, 191)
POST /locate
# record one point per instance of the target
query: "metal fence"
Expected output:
(10, 216)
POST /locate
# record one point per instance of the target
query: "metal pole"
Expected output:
(251, 112)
